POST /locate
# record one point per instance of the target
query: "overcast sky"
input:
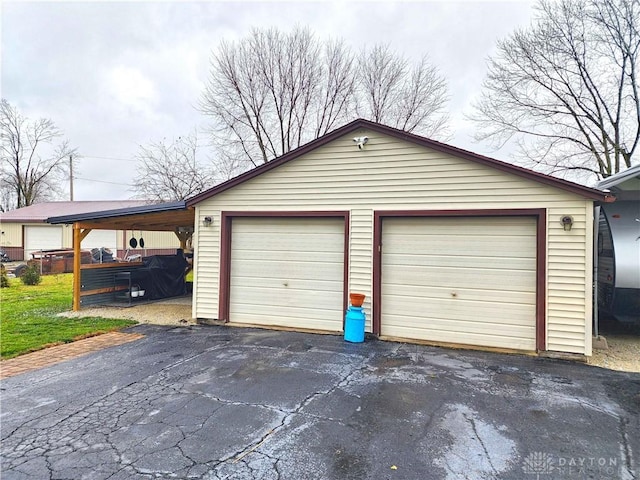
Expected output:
(115, 75)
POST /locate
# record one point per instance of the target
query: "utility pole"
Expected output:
(71, 177)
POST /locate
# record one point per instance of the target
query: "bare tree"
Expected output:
(410, 99)
(6, 197)
(34, 158)
(271, 92)
(171, 171)
(566, 88)
(337, 87)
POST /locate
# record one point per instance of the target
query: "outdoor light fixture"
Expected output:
(566, 222)
(207, 221)
(360, 141)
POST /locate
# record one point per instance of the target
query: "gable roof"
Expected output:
(39, 212)
(408, 137)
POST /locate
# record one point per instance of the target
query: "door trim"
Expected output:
(540, 214)
(226, 229)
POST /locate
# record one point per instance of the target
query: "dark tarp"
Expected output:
(166, 275)
(162, 276)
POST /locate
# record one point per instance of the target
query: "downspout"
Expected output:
(596, 231)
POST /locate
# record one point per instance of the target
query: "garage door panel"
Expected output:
(486, 294)
(461, 261)
(444, 325)
(287, 272)
(472, 225)
(298, 321)
(494, 339)
(481, 313)
(283, 271)
(290, 255)
(460, 280)
(277, 225)
(297, 290)
(320, 285)
(273, 313)
(293, 242)
(514, 280)
(452, 245)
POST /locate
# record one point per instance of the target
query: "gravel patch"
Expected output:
(623, 354)
(154, 313)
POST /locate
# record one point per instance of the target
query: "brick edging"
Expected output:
(60, 353)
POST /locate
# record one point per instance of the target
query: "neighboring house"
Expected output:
(450, 247)
(25, 230)
(619, 247)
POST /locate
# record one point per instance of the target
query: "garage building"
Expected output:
(450, 247)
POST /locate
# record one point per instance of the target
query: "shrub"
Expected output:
(31, 275)
(4, 280)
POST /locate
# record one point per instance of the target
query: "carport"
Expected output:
(165, 217)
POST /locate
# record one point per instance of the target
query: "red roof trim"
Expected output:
(409, 137)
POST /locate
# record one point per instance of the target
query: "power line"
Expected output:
(104, 181)
(110, 158)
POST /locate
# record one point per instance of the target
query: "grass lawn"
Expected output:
(28, 321)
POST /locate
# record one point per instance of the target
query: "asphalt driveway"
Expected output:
(217, 402)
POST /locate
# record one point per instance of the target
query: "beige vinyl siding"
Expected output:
(151, 239)
(287, 272)
(361, 258)
(11, 235)
(206, 260)
(389, 174)
(67, 236)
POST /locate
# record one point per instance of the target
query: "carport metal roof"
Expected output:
(169, 217)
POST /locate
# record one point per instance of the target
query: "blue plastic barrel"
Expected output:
(354, 325)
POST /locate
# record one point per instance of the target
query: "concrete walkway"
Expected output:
(60, 353)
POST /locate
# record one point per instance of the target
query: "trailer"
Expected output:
(57, 260)
(618, 248)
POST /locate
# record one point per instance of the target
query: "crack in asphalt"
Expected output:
(626, 448)
(79, 430)
(472, 422)
(143, 428)
(251, 448)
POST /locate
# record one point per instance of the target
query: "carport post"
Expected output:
(183, 236)
(78, 235)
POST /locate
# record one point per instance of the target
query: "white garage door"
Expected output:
(41, 238)
(287, 272)
(101, 238)
(460, 280)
